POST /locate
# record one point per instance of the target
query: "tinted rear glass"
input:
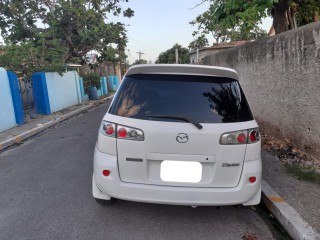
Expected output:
(204, 99)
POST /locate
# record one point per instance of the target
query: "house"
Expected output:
(198, 55)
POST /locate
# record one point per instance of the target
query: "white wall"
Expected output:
(7, 117)
(63, 91)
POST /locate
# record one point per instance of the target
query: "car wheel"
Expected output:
(105, 202)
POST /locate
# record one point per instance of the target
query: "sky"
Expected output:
(159, 24)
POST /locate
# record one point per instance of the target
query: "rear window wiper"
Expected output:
(198, 125)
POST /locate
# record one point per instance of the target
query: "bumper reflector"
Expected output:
(252, 179)
(106, 173)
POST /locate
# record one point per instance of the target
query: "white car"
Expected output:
(178, 134)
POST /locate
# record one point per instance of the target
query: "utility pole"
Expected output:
(177, 56)
(140, 54)
(197, 54)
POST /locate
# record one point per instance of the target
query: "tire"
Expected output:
(105, 202)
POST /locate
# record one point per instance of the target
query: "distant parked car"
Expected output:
(178, 134)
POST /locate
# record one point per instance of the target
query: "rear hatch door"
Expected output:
(173, 149)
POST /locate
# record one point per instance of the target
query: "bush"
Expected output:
(94, 79)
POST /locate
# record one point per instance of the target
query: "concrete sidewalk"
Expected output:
(295, 203)
(304, 197)
(32, 127)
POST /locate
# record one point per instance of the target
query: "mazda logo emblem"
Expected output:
(182, 138)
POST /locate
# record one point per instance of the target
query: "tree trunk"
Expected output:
(68, 56)
(291, 18)
(279, 14)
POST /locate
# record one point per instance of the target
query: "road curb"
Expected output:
(289, 218)
(27, 134)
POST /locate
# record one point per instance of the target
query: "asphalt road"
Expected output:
(45, 193)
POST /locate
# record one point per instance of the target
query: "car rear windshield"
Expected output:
(205, 99)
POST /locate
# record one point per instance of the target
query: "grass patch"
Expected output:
(304, 173)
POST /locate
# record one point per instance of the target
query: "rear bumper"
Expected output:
(245, 193)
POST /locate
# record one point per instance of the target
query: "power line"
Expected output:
(143, 44)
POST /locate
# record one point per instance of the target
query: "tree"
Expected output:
(225, 22)
(78, 25)
(306, 11)
(169, 56)
(111, 54)
(29, 57)
(208, 23)
(245, 15)
(257, 33)
(140, 61)
(200, 42)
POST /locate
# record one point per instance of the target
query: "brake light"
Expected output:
(122, 132)
(246, 136)
(241, 138)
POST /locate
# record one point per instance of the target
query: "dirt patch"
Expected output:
(288, 154)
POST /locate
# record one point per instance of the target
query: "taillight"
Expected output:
(108, 129)
(240, 137)
(121, 132)
(237, 137)
(129, 133)
(254, 135)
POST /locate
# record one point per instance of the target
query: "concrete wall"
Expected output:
(7, 117)
(113, 82)
(63, 91)
(203, 53)
(281, 78)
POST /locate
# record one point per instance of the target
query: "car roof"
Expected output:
(182, 69)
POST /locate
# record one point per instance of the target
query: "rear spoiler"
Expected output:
(183, 69)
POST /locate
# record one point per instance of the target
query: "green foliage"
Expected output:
(242, 14)
(257, 33)
(141, 61)
(208, 23)
(200, 42)
(41, 55)
(109, 53)
(169, 56)
(239, 19)
(306, 11)
(93, 79)
(78, 25)
(232, 20)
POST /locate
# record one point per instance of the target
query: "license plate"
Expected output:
(181, 171)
